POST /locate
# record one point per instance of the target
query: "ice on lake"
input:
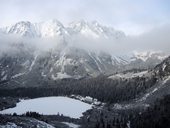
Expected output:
(50, 106)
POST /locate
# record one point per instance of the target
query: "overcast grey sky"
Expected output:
(131, 16)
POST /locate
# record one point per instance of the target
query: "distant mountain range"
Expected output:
(25, 63)
(53, 28)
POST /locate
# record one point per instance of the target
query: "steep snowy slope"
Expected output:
(22, 28)
(54, 28)
(51, 28)
(66, 62)
(25, 62)
(161, 88)
(95, 30)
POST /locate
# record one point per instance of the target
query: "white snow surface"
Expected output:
(17, 75)
(128, 75)
(4, 77)
(71, 125)
(50, 106)
(43, 125)
(2, 73)
(33, 62)
(39, 124)
(54, 28)
(9, 125)
(149, 54)
(164, 81)
(60, 76)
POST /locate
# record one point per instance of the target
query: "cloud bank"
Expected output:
(155, 40)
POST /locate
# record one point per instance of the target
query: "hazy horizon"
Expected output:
(131, 16)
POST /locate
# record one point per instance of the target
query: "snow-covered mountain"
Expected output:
(24, 62)
(30, 67)
(54, 28)
(51, 28)
(95, 30)
(146, 59)
(160, 88)
(47, 29)
(22, 28)
(148, 54)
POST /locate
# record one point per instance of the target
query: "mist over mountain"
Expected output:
(50, 50)
(84, 64)
(85, 35)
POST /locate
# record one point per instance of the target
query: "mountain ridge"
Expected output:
(26, 60)
(52, 28)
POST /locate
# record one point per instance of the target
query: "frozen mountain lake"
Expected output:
(50, 106)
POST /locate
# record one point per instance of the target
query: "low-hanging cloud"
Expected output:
(157, 39)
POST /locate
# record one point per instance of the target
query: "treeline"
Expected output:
(102, 88)
(104, 119)
(8, 102)
(155, 116)
(158, 116)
